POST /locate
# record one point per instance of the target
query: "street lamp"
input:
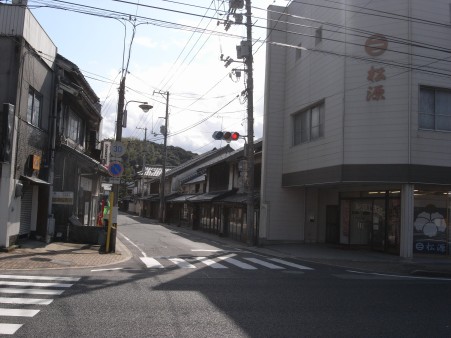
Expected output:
(144, 106)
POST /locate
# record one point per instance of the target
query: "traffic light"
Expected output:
(6, 132)
(226, 135)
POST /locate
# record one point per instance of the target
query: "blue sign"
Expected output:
(116, 169)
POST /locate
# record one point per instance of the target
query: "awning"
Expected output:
(181, 199)
(34, 180)
(88, 161)
(210, 196)
(148, 197)
(239, 198)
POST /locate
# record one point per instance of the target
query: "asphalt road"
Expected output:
(182, 285)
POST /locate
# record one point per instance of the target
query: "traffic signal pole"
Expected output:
(250, 128)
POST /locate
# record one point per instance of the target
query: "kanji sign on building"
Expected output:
(376, 45)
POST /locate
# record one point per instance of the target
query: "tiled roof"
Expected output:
(198, 160)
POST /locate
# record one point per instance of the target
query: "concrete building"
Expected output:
(357, 125)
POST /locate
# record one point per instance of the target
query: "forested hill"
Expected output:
(153, 153)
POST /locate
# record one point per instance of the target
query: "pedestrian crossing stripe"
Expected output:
(293, 265)
(28, 285)
(27, 301)
(153, 263)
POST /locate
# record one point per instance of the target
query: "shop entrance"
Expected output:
(371, 222)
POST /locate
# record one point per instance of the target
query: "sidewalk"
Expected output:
(38, 255)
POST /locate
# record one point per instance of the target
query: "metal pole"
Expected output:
(163, 173)
(120, 112)
(250, 129)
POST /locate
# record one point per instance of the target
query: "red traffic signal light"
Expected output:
(226, 135)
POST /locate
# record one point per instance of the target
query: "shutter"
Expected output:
(25, 211)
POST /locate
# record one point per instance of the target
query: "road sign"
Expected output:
(117, 149)
(115, 169)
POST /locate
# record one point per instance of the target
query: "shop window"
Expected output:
(308, 125)
(34, 107)
(435, 109)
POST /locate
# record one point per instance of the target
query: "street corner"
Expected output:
(36, 255)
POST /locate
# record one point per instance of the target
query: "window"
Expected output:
(318, 35)
(74, 128)
(298, 51)
(308, 125)
(34, 107)
(435, 109)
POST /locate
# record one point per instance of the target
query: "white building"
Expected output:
(357, 129)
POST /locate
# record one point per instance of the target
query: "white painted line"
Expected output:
(18, 312)
(27, 301)
(137, 247)
(293, 265)
(399, 276)
(265, 264)
(151, 262)
(237, 263)
(55, 285)
(182, 263)
(61, 279)
(32, 291)
(211, 263)
(9, 328)
(208, 250)
(112, 269)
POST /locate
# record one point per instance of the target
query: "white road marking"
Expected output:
(237, 263)
(9, 328)
(211, 263)
(151, 262)
(112, 269)
(182, 263)
(31, 291)
(207, 250)
(55, 285)
(27, 301)
(61, 279)
(136, 246)
(398, 276)
(293, 265)
(18, 312)
(266, 264)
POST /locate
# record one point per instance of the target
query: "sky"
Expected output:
(165, 55)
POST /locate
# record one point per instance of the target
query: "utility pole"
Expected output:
(144, 160)
(163, 173)
(120, 112)
(244, 51)
(250, 128)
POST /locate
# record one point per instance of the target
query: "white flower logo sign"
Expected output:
(430, 223)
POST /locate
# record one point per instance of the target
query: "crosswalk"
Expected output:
(221, 262)
(21, 292)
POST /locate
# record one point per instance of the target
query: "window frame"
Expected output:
(431, 120)
(298, 52)
(318, 35)
(74, 125)
(305, 129)
(34, 115)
